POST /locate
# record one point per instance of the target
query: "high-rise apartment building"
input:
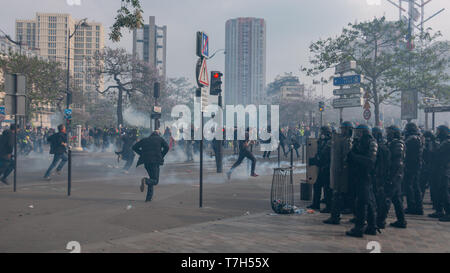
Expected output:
(49, 33)
(245, 61)
(150, 45)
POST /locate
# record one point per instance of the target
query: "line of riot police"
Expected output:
(363, 172)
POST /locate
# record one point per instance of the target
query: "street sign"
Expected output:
(15, 89)
(203, 75)
(409, 102)
(68, 112)
(345, 103)
(346, 80)
(366, 105)
(367, 114)
(437, 109)
(348, 91)
(204, 99)
(2, 113)
(345, 67)
(202, 44)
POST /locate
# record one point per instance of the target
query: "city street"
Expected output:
(106, 213)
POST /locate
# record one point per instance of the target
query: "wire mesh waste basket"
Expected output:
(282, 192)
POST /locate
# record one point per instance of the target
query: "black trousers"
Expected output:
(323, 181)
(129, 162)
(266, 154)
(394, 196)
(443, 195)
(245, 154)
(153, 172)
(337, 204)
(413, 192)
(365, 205)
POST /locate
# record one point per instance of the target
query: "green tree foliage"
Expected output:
(389, 67)
(128, 16)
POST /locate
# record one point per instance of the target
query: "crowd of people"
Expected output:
(378, 169)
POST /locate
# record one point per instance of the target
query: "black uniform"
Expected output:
(362, 159)
(151, 151)
(322, 160)
(442, 161)
(380, 176)
(426, 173)
(394, 180)
(413, 164)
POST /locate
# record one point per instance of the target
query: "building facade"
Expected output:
(150, 45)
(245, 61)
(49, 33)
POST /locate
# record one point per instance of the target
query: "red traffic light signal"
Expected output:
(216, 83)
(216, 75)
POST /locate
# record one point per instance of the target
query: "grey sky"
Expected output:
(291, 24)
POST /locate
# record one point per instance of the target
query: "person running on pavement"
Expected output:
(151, 151)
(244, 152)
(58, 147)
(6, 150)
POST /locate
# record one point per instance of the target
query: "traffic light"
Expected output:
(156, 90)
(216, 83)
(321, 106)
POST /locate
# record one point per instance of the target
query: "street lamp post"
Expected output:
(68, 102)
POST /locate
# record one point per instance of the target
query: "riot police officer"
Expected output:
(442, 162)
(340, 183)
(379, 175)
(426, 174)
(413, 164)
(393, 183)
(322, 160)
(361, 160)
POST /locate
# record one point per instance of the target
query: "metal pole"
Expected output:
(201, 165)
(69, 176)
(278, 155)
(292, 164)
(15, 147)
(220, 142)
(433, 119)
(15, 134)
(68, 100)
(426, 121)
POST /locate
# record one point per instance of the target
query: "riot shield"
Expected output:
(311, 151)
(340, 147)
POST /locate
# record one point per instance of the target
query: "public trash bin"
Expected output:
(282, 192)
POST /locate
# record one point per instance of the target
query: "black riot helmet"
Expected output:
(361, 130)
(393, 132)
(325, 132)
(347, 128)
(377, 133)
(411, 129)
(428, 135)
(442, 132)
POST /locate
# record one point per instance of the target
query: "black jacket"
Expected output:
(151, 149)
(6, 144)
(56, 143)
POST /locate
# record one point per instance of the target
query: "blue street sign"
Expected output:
(2, 110)
(205, 45)
(354, 79)
(68, 112)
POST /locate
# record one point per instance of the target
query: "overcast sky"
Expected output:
(291, 24)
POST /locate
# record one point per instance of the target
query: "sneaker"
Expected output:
(58, 172)
(142, 187)
(47, 178)
(254, 175)
(5, 181)
(398, 224)
(445, 218)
